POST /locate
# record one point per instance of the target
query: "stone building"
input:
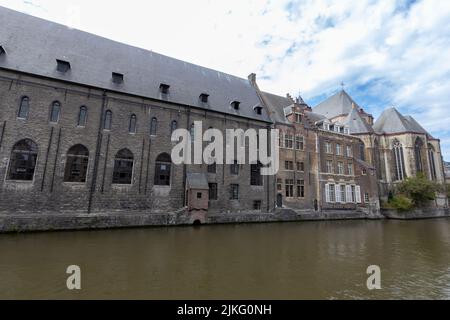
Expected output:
(86, 123)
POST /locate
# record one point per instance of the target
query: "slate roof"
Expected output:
(337, 105)
(392, 121)
(197, 181)
(356, 123)
(276, 105)
(34, 44)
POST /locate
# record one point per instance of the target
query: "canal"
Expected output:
(309, 260)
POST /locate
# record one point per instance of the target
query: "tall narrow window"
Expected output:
(24, 108)
(289, 141)
(133, 123)
(192, 132)
(362, 153)
(162, 170)
(82, 116)
(399, 161)
(108, 120)
(23, 161)
(173, 126)
(213, 191)
(432, 162)
(76, 164)
(153, 126)
(255, 175)
(301, 188)
(299, 143)
(418, 155)
(234, 192)
(234, 169)
(212, 168)
(289, 188)
(55, 111)
(123, 167)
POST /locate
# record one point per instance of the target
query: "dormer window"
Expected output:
(117, 78)
(164, 88)
(235, 105)
(298, 117)
(62, 66)
(2, 50)
(258, 110)
(204, 98)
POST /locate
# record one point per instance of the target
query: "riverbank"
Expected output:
(75, 221)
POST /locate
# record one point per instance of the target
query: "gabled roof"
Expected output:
(276, 105)
(356, 123)
(337, 105)
(392, 121)
(33, 45)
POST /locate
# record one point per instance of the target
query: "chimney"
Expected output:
(252, 79)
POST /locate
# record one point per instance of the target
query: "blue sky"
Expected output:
(388, 53)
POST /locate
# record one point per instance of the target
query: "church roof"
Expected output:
(392, 121)
(33, 45)
(356, 123)
(337, 105)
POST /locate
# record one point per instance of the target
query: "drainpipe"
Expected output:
(97, 152)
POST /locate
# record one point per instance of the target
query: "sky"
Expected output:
(386, 53)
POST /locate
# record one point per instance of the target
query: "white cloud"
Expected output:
(397, 56)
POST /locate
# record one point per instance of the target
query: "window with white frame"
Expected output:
(343, 193)
(329, 166)
(350, 169)
(299, 143)
(340, 168)
(358, 194)
(366, 198)
(349, 151)
(338, 149)
(328, 148)
(289, 141)
(353, 197)
(330, 193)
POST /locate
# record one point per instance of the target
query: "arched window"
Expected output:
(82, 116)
(418, 155)
(255, 174)
(23, 161)
(377, 158)
(77, 164)
(123, 167)
(432, 162)
(173, 126)
(153, 126)
(108, 120)
(55, 111)
(162, 170)
(399, 161)
(24, 108)
(132, 125)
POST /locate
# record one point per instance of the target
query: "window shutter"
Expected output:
(358, 194)
(338, 193)
(327, 193)
(349, 193)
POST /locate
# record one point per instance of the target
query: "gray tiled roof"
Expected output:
(356, 123)
(337, 105)
(197, 181)
(33, 45)
(276, 105)
(392, 121)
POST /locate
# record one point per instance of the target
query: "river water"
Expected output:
(307, 260)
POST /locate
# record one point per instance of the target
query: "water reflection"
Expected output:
(311, 260)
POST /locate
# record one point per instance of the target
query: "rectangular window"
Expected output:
(350, 169)
(343, 194)
(255, 175)
(338, 149)
(289, 188)
(298, 117)
(213, 191)
(366, 198)
(279, 184)
(257, 205)
(281, 140)
(301, 166)
(328, 148)
(330, 193)
(349, 152)
(301, 188)
(289, 141)
(340, 167)
(353, 188)
(289, 165)
(234, 192)
(234, 168)
(299, 143)
(212, 168)
(329, 168)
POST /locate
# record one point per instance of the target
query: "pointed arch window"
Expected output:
(123, 167)
(399, 161)
(107, 124)
(418, 155)
(55, 112)
(82, 116)
(24, 108)
(76, 164)
(23, 161)
(432, 160)
(153, 126)
(133, 123)
(163, 169)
